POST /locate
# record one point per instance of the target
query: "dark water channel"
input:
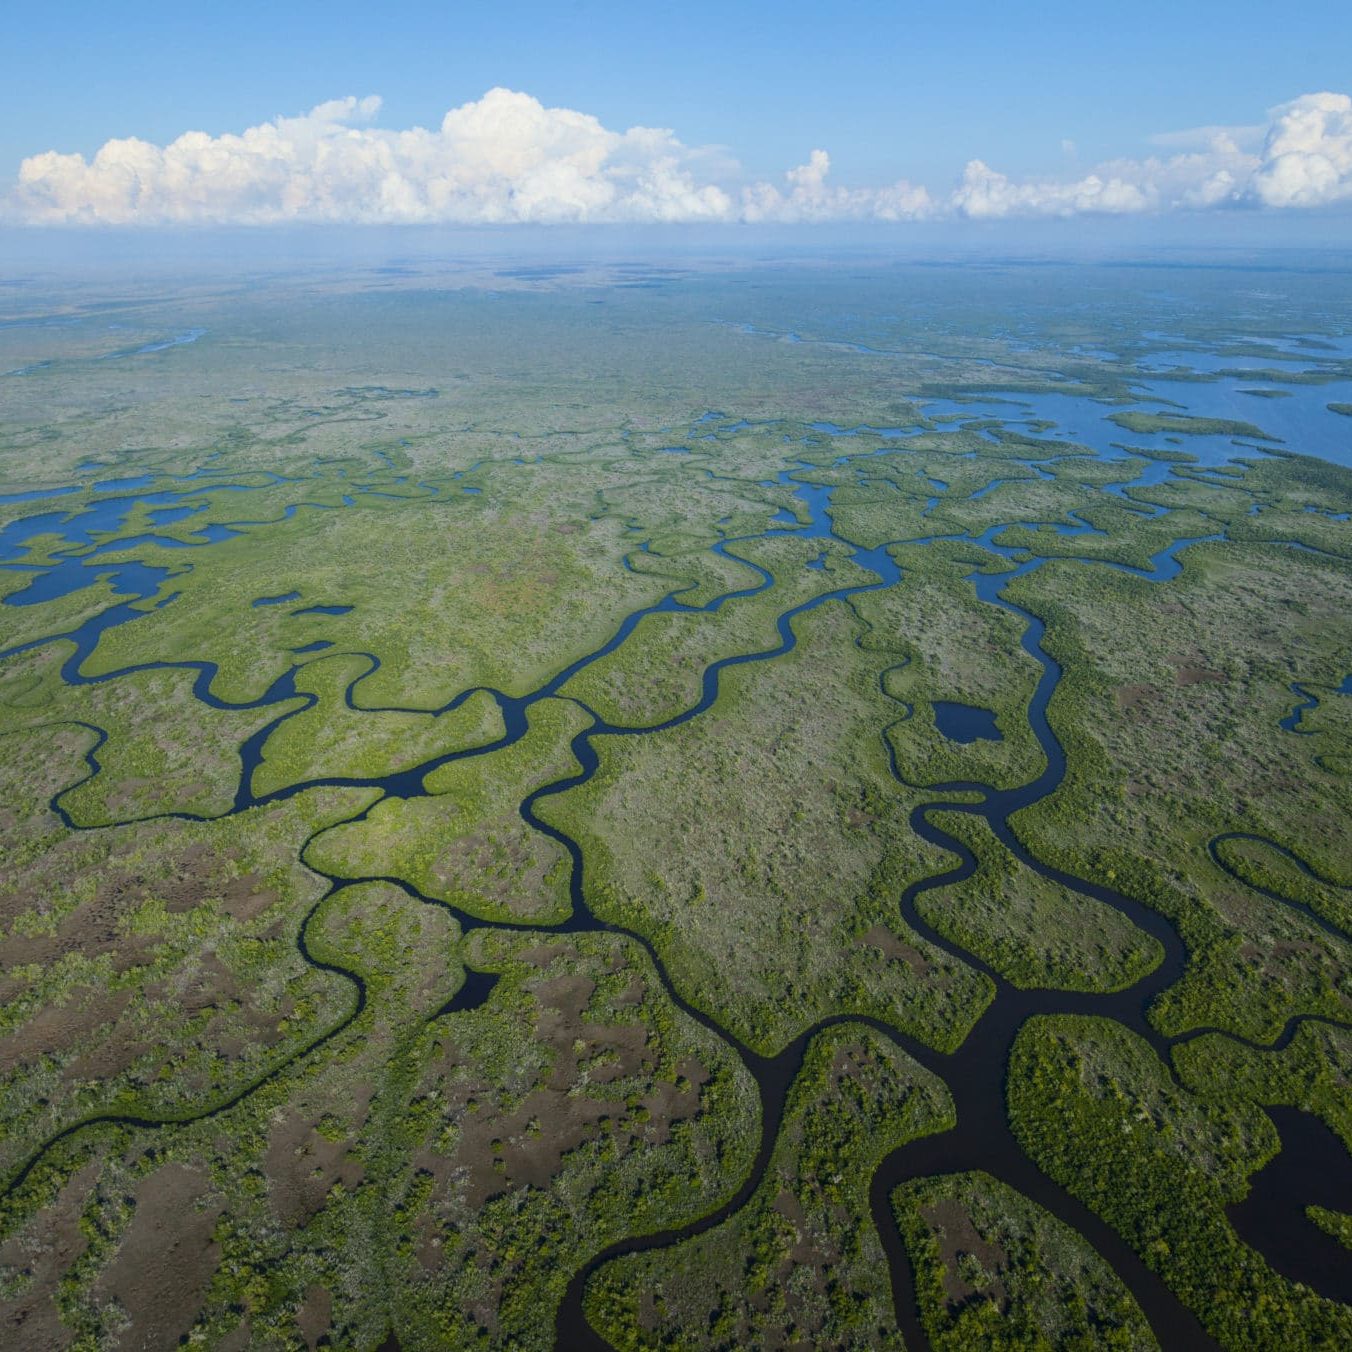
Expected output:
(1311, 1167)
(975, 1074)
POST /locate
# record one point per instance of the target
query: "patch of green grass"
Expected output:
(165, 750)
(1146, 424)
(1126, 537)
(762, 846)
(657, 673)
(576, 1107)
(1310, 1072)
(945, 646)
(1335, 1223)
(1256, 862)
(20, 624)
(795, 1264)
(996, 1271)
(534, 593)
(333, 739)
(1033, 931)
(1175, 738)
(466, 842)
(1097, 1111)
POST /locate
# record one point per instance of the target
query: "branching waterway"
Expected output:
(1271, 1218)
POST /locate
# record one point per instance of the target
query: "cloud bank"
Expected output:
(508, 159)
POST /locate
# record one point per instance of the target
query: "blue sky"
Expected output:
(891, 90)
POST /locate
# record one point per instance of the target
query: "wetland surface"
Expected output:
(877, 877)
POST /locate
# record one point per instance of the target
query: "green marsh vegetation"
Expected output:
(334, 739)
(1309, 1073)
(1336, 1223)
(1186, 425)
(761, 848)
(791, 1266)
(1034, 931)
(1097, 1110)
(442, 619)
(658, 673)
(994, 1270)
(1177, 738)
(942, 647)
(351, 1060)
(150, 969)
(465, 842)
(575, 1108)
(26, 624)
(165, 751)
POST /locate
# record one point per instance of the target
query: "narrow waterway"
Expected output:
(1271, 1219)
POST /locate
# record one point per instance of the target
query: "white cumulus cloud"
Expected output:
(1302, 157)
(810, 198)
(506, 158)
(1307, 156)
(985, 193)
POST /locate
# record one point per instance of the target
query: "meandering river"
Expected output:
(1271, 1218)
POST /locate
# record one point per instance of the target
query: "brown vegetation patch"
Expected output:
(494, 862)
(244, 898)
(882, 938)
(210, 986)
(668, 1102)
(166, 1259)
(542, 955)
(237, 1340)
(41, 1255)
(648, 1318)
(234, 1025)
(1260, 954)
(93, 929)
(302, 1167)
(847, 1060)
(804, 1252)
(958, 1239)
(59, 1027)
(315, 1316)
(524, 1146)
(96, 927)
(108, 1057)
(261, 1026)
(560, 1025)
(1201, 676)
(241, 898)
(128, 797)
(1133, 696)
